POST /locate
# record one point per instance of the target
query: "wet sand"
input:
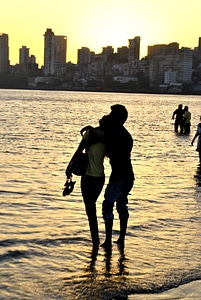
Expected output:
(189, 291)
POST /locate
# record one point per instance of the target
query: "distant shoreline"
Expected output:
(103, 90)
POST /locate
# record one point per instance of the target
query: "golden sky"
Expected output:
(97, 24)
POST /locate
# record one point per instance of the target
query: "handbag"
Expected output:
(79, 164)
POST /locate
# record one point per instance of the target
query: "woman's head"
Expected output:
(105, 122)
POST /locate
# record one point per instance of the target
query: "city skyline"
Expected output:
(92, 25)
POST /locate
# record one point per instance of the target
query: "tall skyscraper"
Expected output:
(186, 63)
(134, 49)
(60, 48)
(24, 55)
(60, 53)
(49, 49)
(4, 53)
(55, 47)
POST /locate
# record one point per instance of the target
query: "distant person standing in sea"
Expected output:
(187, 120)
(198, 134)
(179, 112)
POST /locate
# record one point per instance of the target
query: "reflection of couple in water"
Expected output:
(110, 139)
(107, 259)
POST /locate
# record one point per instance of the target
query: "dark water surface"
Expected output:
(45, 249)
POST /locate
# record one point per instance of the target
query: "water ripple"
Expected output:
(45, 238)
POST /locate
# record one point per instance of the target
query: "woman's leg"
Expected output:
(91, 188)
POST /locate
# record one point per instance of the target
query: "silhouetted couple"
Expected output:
(110, 139)
(182, 120)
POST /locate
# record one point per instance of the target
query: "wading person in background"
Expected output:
(93, 180)
(198, 134)
(187, 120)
(179, 112)
(119, 145)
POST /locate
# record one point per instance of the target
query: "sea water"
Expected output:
(45, 246)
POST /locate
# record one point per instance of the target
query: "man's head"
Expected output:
(118, 114)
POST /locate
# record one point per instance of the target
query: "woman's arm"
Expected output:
(194, 138)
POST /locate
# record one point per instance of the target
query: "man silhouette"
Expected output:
(119, 145)
(179, 112)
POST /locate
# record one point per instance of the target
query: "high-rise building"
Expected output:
(199, 49)
(199, 42)
(84, 55)
(197, 55)
(60, 48)
(55, 47)
(27, 63)
(107, 53)
(60, 53)
(24, 55)
(123, 54)
(163, 49)
(4, 53)
(49, 49)
(185, 64)
(134, 49)
(32, 59)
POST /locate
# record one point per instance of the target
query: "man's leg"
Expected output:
(123, 228)
(181, 127)
(107, 210)
(108, 233)
(122, 210)
(114, 191)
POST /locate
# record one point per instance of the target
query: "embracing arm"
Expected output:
(94, 135)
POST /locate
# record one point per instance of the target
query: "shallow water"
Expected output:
(45, 248)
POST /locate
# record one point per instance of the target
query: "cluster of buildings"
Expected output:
(166, 68)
